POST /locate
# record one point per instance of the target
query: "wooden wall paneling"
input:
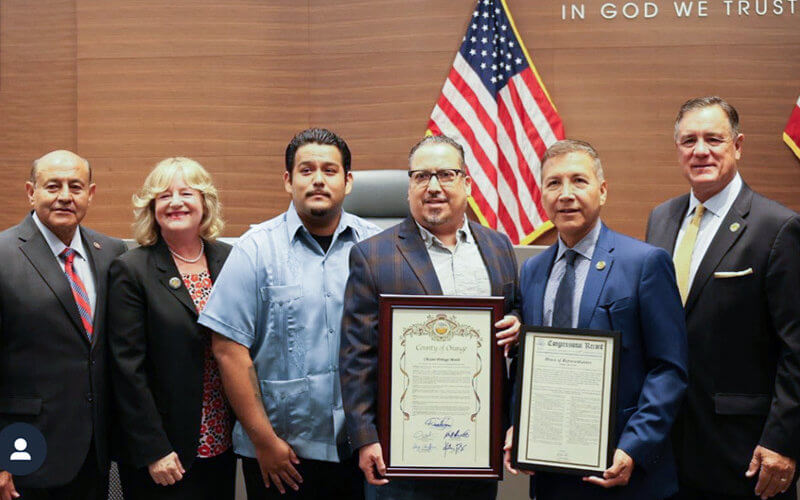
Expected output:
(37, 107)
(154, 28)
(12, 191)
(251, 188)
(541, 26)
(37, 31)
(37, 77)
(387, 26)
(626, 100)
(37, 92)
(224, 83)
(380, 108)
(245, 105)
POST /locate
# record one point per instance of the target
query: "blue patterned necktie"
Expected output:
(562, 306)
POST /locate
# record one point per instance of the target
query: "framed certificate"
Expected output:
(440, 386)
(565, 400)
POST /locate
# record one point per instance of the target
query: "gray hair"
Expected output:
(567, 146)
(705, 102)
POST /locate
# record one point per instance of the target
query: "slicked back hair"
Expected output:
(438, 139)
(705, 102)
(567, 146)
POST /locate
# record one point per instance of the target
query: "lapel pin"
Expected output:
(97, 245)
(600, 265)
(735, 227)
(174, 283)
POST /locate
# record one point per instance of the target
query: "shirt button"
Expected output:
(330, 331)
(290, 349)
(328, 294)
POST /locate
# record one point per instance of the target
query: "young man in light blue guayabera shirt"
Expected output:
(276, 309)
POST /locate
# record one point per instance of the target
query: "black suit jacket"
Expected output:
(397, 262)
(51, 375)
(157, 355)
(743, 324)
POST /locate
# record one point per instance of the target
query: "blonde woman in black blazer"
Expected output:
(174, 424)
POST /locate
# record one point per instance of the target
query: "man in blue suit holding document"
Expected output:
(596, 278)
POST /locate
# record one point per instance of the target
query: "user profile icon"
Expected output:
(20, 444)
(22, 449)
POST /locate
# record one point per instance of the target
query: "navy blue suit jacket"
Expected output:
(634, 293)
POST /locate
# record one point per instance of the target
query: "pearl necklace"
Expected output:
(190, 261)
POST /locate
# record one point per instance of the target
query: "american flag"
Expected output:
(791, 134)
(495, 105)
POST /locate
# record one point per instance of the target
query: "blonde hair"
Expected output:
(145, 228)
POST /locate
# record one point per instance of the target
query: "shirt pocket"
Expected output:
(287, 405)
(285, 327)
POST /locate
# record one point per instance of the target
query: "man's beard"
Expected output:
(320, 212)
(435, 218)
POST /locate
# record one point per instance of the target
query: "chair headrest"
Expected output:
(378, 193)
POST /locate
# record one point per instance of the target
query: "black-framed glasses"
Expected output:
(445, 176)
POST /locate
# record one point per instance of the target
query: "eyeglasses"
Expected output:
(445, 176)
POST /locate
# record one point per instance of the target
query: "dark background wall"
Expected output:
(126, 83)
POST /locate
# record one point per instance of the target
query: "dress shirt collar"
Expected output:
(462, 234)
(294, 224)
(585, 247)
(720, 203)
(56, 245)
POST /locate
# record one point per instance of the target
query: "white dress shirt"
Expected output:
(80, 265)
(717, 208)
(461, 271)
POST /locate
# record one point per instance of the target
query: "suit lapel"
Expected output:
(488, 250)
(38, 252)
(413, 250)
(95, 256)
(666, 233)
(214, 259)
(169, 276)
(596, 277)
(539, 284)
(721, 243)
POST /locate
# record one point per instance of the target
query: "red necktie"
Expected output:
(78, 290)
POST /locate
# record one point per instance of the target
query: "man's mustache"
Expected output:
(315, 193)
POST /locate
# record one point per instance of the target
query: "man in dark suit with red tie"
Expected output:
(52, 343)
(737, 261)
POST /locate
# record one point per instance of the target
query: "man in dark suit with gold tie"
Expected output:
(52, 343)
(737, 262)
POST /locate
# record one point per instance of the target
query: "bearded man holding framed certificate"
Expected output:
(436, 252)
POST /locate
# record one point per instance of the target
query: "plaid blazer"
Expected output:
(397, 262)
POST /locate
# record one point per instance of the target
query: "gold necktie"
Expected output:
(683, 257)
